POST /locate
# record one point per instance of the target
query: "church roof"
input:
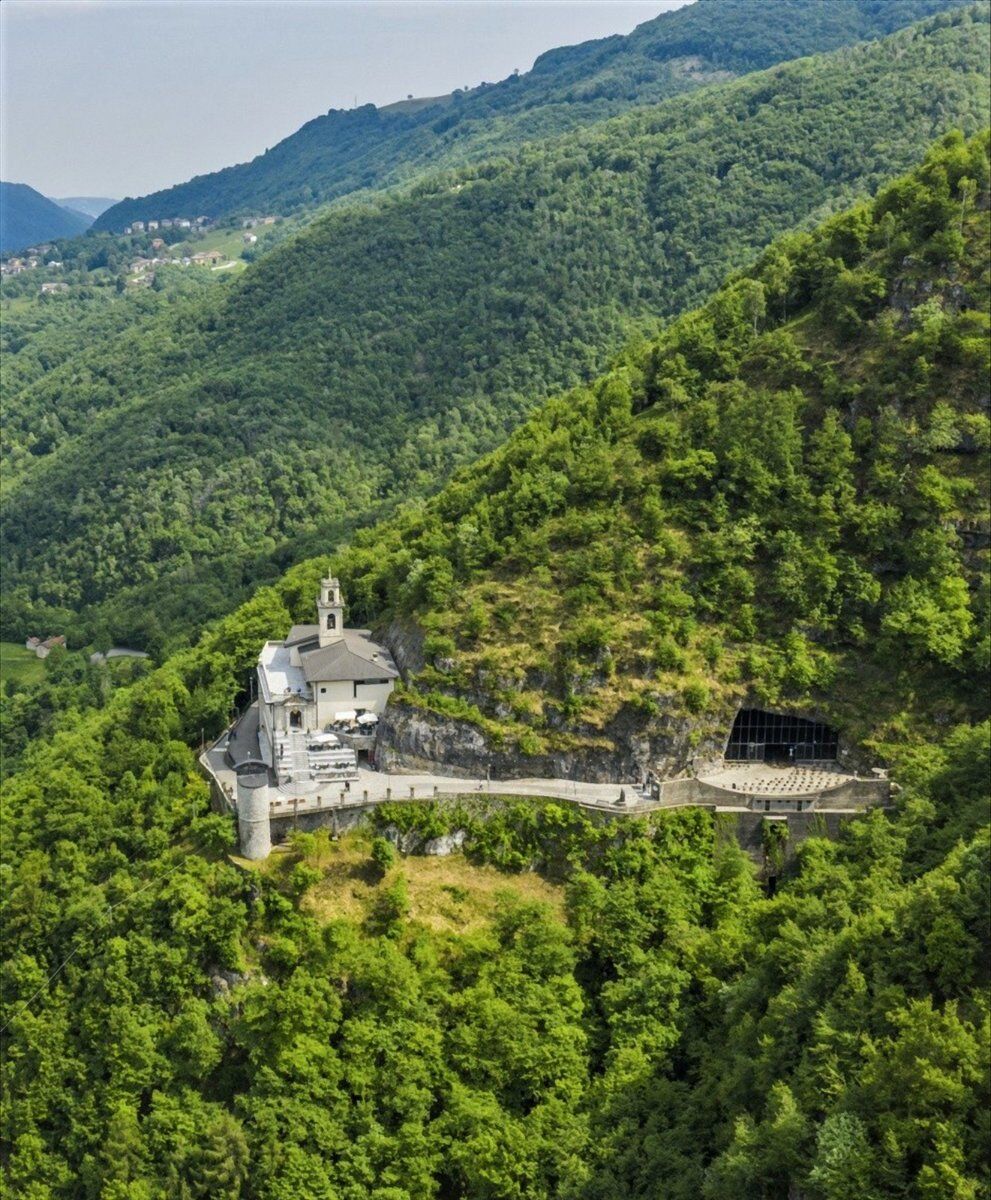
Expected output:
(302, 633)
(354, 656)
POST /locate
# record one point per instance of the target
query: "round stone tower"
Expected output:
(253, 827)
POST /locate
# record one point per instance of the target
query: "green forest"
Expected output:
(646, 386)
(156, 477)
(784, 496)
(369, 148)
(632, 1014)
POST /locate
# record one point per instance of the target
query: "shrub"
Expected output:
(695, 696)
(383, 855)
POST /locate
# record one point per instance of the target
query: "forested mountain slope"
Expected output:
(175, 1025)
(28, 217)
(360, 363)
(784, 497)
(370, 148)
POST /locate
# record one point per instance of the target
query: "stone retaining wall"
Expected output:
(748, 828)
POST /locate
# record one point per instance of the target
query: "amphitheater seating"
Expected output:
(762, 779)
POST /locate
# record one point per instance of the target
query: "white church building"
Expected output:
(321, 676)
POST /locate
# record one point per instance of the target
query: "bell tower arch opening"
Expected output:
(759, 736)
(330, 612)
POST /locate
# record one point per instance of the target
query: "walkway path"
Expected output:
(376, 786)
(305, 794)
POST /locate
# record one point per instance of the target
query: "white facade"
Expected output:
(321, 676)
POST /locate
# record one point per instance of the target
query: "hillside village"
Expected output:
(175, 249)
(199, 223)
(31, 260)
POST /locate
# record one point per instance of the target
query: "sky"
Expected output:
(120, 98)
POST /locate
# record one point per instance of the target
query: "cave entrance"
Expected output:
(759, 736)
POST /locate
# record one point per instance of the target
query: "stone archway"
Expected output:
(295, 719)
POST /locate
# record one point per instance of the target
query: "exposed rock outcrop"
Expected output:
(412, 841)
(404, 640)
(633, 743)
(447, 844)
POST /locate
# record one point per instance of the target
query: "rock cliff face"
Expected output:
(670, 744)
(411, 738)
(633, 743)
(405, 642)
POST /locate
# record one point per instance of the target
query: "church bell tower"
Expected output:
(330, 611)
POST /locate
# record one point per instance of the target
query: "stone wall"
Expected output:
(220, 802)
(748, 829)
(339, 820)
(860, 793)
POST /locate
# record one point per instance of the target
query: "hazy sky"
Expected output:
(115, 98)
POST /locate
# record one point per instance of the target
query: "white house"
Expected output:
(321, 675)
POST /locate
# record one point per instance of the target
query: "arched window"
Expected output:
(331, 620)
(295, 719)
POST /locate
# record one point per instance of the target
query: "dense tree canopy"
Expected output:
(783, 496)
(155, 476)
(176, 1024)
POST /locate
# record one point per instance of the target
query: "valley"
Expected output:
(360, 363)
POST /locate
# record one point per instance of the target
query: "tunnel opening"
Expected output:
(759, 736)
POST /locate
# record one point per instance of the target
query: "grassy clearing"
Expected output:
(230, 242)
(20, 666)
(446, 894)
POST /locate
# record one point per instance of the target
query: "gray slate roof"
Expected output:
(354, 656)
(302, 633)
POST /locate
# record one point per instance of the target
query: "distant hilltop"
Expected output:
(89, 206)
(368, 148)
(27, 217)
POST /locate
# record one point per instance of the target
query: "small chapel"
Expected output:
(322, 676)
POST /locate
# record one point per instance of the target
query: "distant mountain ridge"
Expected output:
(26, 217)
(89, 206)
(368, 148)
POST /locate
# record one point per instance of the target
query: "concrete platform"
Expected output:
(765, 779)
